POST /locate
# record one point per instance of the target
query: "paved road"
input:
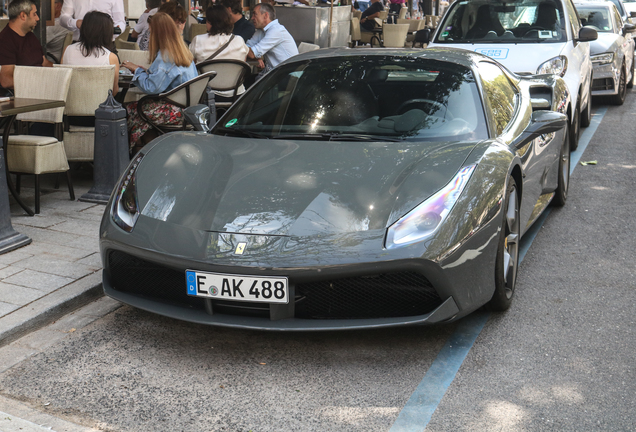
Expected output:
(561, 359)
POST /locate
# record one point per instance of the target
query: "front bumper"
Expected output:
(448, 289)
(605, 80)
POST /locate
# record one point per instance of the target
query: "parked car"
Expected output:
(623, 11)
(345, 189)
(630, 6)
(528, 37)
(612, 53)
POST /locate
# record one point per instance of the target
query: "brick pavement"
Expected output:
(61, 269)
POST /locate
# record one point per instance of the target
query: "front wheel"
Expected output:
(586, 116)
(508, 251)
(619, 98)
(561, 194)
(575, 127)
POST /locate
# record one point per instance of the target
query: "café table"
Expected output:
(9, 109)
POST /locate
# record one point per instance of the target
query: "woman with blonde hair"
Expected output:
(171, 66)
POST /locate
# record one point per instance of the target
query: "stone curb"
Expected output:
(50, 307)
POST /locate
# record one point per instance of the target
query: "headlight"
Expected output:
(125, 210)
(557, 66)
(602, 59)
(422, 222)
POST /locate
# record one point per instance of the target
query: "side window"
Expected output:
(573, 17)
(502, 95)
(618, 20)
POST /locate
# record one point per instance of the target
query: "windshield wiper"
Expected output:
(242, 132)
(307, 136)
(361, 137)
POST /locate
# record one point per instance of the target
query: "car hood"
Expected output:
(603, 43)
(290, 188)
(515, 56)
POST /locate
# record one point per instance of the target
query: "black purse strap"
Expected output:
(220, 49)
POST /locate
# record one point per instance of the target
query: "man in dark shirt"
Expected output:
(242, 27)
(18, 44)
(367, 22)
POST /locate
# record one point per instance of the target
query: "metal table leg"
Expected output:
(7, 123)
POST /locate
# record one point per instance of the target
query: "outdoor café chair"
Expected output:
(187, 94)
(89, 88)
(230, 75)
(394, 35)
(33, 154)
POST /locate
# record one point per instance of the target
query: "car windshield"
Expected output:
(596, 17)
(361, 98)
(520, 21)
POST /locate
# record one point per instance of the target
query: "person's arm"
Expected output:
(269, 40)
(156, 79)
(46, 62)
(112, 59)
(6, 76)
(66, 17)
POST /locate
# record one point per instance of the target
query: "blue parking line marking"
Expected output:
(420, 407)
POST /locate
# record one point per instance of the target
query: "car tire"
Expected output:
(561, 193)
(575, 127)
(586, 116)
(619, 98)
(630, 83)
(507, 262)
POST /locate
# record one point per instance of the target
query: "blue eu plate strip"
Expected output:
(419, 409)
(191, 281)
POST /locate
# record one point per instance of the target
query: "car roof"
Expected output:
(451, 55)
(596, 3)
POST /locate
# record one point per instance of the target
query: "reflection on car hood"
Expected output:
(515, 56)
(604, 43)
(296, 188)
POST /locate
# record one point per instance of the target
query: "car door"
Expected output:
(625, 41)
(508, 119)
(580, 64)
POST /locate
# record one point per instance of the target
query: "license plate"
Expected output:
(262, 289)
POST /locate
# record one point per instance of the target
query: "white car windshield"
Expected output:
(596, 17)
(521, 21)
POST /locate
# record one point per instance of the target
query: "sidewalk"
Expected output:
(61, 269)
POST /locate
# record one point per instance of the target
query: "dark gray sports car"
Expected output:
(345, 189)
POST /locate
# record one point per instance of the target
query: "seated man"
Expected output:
(18, 44)
(367, 20)
(271, 42)
(242, 27)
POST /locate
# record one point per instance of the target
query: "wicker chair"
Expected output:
(394, 35)
(197, 29)
(183, 96)
(306, 47)
(137, 57)
(33, 154)
(125, 45)
(89, 88)
(230, 75)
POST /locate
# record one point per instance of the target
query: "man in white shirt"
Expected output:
(73, 12)
(272, 43)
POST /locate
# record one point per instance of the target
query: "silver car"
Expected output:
(612, 53)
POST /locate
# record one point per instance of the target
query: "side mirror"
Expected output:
(542, 122)
(198, 116)
(632, 14)
(587, 34)
(628, 28)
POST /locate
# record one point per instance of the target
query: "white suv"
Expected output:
(528, 37)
